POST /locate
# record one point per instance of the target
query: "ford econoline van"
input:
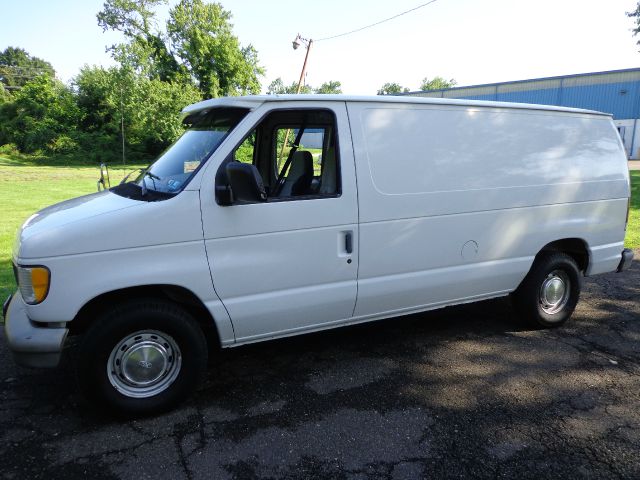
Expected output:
(280, 215)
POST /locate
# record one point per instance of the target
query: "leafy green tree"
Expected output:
(17, 67)
(132, 17)
(331, 86)
(392, 89)
(146, 51)
(278, 87)
(148, 108)
(436, 83)
(201, 34)
(100, 96)
(158, 123)
(636, 16)
(43, 116)
(197, 45)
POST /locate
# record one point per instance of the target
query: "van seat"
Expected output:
(298, 181)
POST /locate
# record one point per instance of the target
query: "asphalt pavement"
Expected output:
(464, 392)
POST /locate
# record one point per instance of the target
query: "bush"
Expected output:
(98, 147)
(9, 149)
(41, 111)
(62, 144)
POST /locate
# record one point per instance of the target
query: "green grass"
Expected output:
(29, 184)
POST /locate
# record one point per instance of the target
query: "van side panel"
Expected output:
(425, 261)
(456, 201)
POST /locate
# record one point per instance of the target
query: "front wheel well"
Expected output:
(576, 248)
(179, 295)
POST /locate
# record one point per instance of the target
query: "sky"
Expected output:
(471, 41)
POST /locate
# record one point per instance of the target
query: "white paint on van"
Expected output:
(448, 201)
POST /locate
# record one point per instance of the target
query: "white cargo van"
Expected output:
(280, 215)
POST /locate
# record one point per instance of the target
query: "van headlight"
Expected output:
(33, 283)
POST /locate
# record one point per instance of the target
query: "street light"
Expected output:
(299, 40)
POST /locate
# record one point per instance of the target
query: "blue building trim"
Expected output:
(616, 92)
(620, 99)
(537, 79)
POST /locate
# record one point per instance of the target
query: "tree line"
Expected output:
(436, 83)
(159, 69)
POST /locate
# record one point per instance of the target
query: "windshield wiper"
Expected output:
(124, 180)
(143, 185)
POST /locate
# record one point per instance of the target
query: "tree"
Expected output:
(636, 16)
(147, 107)
(17, 67)
(436, 83)
(392, 89)
(43, 116)
(202, 37)
(134, 18)
(197, 46)
(146, 51)
(330, 87)
(278, 87)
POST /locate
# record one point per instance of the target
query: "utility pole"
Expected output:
(122, 124)
(296, 43)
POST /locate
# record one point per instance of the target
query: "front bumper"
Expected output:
(32, 345)
(627, 258)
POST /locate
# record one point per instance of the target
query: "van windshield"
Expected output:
(171, 172)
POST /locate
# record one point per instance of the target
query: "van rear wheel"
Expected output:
(549, 293)
(141, 357)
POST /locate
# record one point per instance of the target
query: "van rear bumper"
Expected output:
(627, 258)
(32, 345)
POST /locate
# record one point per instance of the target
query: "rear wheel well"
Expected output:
(576, 248)
(179, 295)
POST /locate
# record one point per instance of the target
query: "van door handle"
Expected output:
(348, 242)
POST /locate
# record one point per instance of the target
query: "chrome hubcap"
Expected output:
(144, 364)
(554, 292)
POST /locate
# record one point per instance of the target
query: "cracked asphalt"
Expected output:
(457, 393)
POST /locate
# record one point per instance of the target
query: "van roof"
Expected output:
(253, 101)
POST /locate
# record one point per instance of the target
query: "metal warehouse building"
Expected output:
(616, 92)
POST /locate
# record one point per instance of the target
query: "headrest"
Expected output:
(301, 163)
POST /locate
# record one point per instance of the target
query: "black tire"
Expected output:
(551, 273)
(143, 328)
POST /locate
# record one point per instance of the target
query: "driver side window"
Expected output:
(295, 152)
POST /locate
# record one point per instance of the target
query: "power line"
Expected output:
(377, 23)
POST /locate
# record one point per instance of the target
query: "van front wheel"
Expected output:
(549, 293)
(142, 357)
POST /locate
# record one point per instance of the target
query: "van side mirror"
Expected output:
(245, 185)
